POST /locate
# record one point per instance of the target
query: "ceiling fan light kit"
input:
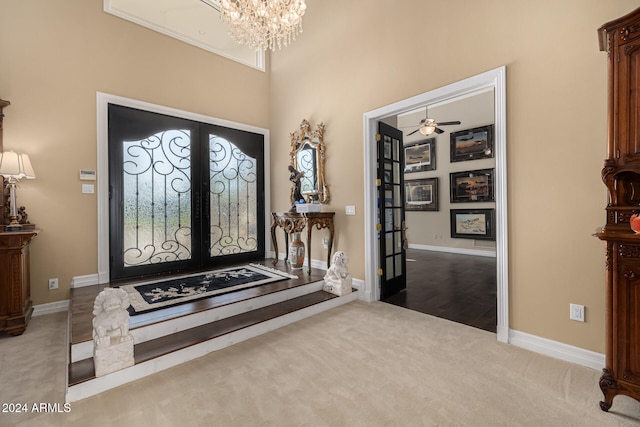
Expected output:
(427, 126)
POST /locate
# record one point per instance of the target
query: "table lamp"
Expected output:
(14, 167)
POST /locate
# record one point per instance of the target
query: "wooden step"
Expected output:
(155, 324)
(82, 301)
(163, 352)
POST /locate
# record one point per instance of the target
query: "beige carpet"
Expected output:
(357, 365)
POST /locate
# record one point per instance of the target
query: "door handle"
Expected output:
(405, 242)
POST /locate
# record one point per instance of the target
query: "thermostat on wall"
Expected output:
(86, 175)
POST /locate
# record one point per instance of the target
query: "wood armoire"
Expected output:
(621, 174)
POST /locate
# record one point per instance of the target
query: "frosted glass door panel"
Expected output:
(233, 199)
(157, 198)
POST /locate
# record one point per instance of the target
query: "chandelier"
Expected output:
(263, 24)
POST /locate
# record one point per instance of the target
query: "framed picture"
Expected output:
(478, 224)
(421, 194)
(472, 144)
(471, 186)
(387, 148)
(420, 156)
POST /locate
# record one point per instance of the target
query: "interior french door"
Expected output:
(183, 195)
(392, 226)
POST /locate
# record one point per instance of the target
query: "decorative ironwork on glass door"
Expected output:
(184, 195)
(233, 199)
(157, 198)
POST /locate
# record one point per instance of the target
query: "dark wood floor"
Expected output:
(82, 300)
(461, 288)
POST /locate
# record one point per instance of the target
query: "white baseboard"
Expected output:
(502, 333)
(530, 342)
(87, 280)
(315, 263)
(557, 350)
(459, 251)
(52, 307)
(322, 265)
(547, 347)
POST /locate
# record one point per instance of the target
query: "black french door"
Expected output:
(183, 195)
(392, 227)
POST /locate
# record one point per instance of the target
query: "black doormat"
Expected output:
(149, 296)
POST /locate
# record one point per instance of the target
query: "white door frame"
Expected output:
(494, 79)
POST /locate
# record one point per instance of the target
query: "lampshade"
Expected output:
(27, 169)
(16, 165)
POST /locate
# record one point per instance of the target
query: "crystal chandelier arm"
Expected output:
(263, 24)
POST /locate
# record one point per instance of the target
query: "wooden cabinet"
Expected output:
(621, 174)
(15, 290)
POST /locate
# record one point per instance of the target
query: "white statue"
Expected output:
(338, 280)
(112, 341)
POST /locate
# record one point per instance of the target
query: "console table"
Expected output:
(293, 222)
(15, 290)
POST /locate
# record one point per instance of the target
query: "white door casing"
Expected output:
(493, 79)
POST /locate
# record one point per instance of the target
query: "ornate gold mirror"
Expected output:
(307, 157)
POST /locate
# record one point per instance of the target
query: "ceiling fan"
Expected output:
(427, 126)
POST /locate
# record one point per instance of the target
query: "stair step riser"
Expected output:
(98, 385)
(84, 350)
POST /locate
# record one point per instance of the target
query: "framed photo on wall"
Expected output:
(472, 186)
(387, 149)
(421, 194)
(420, 156)
(472, 144)
(478, 224)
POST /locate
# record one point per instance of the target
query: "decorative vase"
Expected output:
(634, 222)
(296, 253)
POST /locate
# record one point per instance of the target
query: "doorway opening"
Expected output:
(212, 126)
(494, 80)
(183, 194)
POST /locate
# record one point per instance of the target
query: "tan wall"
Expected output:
(353, 57)
(357, 56)
(54, 56)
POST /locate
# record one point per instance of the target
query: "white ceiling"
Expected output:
(472, 110)
(196, 22)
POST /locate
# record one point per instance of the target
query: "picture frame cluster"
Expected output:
(474, 185)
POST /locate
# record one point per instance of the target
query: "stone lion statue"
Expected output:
(111, 321)
(337, 280)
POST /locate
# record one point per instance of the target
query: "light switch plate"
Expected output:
(350, 210)
(87, 188)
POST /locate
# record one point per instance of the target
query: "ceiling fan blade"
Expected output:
(411, 133)
(438, 130)
(449, 123)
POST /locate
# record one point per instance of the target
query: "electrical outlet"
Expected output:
(53, 283)
(325, 243)
(576, 312)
